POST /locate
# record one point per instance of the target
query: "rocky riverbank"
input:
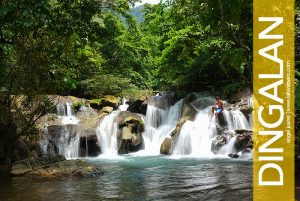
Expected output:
(54, 166)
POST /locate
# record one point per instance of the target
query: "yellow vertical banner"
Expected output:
(273, 86)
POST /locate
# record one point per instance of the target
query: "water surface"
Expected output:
(142, 178)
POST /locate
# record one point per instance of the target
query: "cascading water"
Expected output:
(107, 133)
(124, 105)
(159, 124)
(229, 147)
(235, 119)
(66, 143)
(196, 136)
(68, 146)
(66, 114)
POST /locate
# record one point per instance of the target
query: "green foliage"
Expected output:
(135, 94)
(77, 105)
(101, 85)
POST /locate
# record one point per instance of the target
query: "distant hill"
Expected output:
(136, 12)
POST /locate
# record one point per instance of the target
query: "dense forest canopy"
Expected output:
(90, 48)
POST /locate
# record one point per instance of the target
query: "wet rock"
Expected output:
(243, 140)
(126, 117)
(188, 111)
(221, 120)
(55, 166)
(106, 101)
(218, 142)
(162, 100)
(55, 131)
(89, 145)
(138, 106)
(107, 109)
(110, 101)
(130, 137)
(165, 147)
(233, 155)
(168, 144)
(246, 110)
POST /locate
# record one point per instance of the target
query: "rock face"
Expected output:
(218, 142)
(162, 100)
(138, 106)
(106, 101)
(54, 166)
(168, 144)
(188, 111)
(243, 140)
(89, 145)
(130, 137)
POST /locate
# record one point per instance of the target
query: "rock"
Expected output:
(162, 100)
(55, 166)
(130, 137)
(110, 101)
(168, 143)
(166, 146)
(107, 109)
(21, 167)
(89, 145)
(246, 110)
(126, 117)
(55, 131)
(233, 155)
(243, 140)
(188, 111)
(138, 106)
(218, 142)
(221, 120)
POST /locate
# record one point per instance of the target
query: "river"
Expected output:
(132, 177)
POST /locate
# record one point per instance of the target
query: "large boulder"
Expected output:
(188, 111)
(138, 106)
(106, 101)
(246, 110)
(218, 143)
(125, 117)
(243, 140)
(162, 100)
(55, 135)
(166, 146)
(168, 143)
(130, 137)
(89, 145)
(54, 166)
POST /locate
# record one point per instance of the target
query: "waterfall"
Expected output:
(196, 136)
(66, 114)
(229, 147)
(124, 105)
(68, 146)
(159, 124)
(235, 119)
(66, 138)
(107, 133)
